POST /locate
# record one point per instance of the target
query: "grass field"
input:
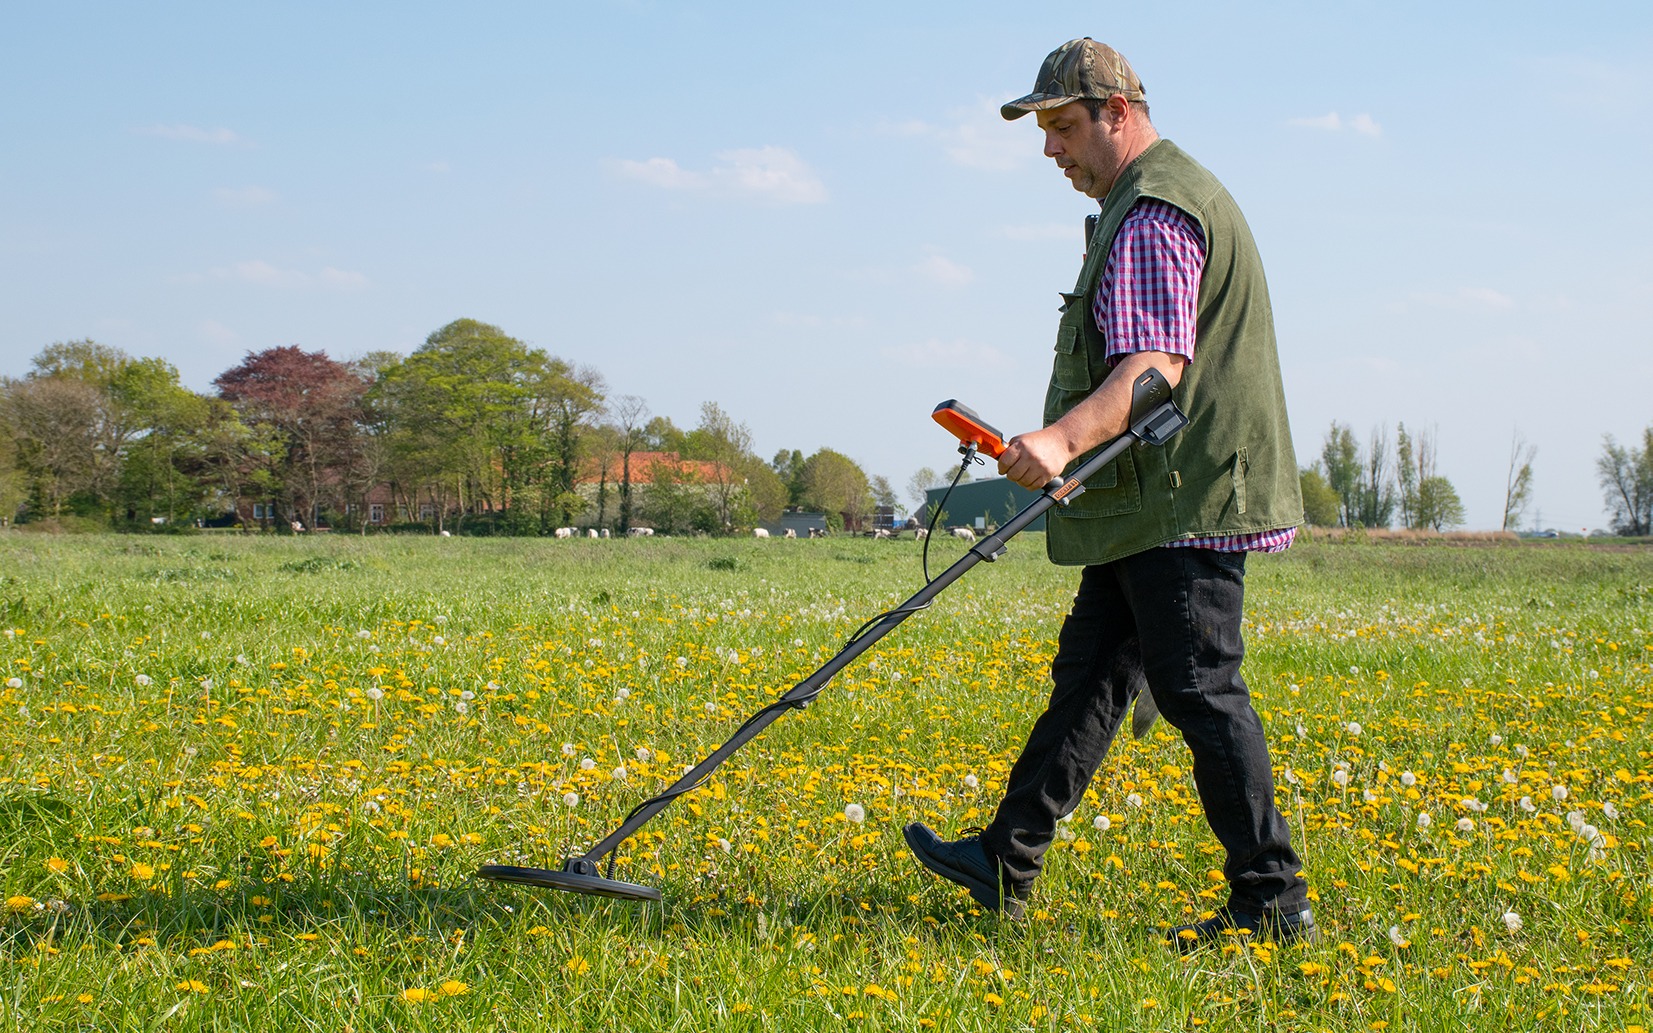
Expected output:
(244, 784)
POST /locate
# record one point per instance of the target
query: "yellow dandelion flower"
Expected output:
(418, 995)
(994, 1000)
(57, 865)
(19, 904)
(84, 998)
(453, 988)
(194, 986)
(577, 966)
(142, 872)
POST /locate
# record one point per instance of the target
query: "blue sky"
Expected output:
(814, 216)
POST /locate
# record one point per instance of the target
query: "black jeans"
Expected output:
(1170, 617)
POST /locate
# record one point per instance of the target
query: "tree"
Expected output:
(303, 410)
(1321, 506)
(726, 444)
(834, 484)
(486, 424)
(1438, 506)
(1406, 477)
(789, 467)
(1518, 481)
(631, 418)
(1341, 458)
(884, 495)
(1626, 476)
(1377, 493)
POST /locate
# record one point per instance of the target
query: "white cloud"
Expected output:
(938, 354)
(976, 137)
(1332, 122)
(244, 197)
(260, 273)
(191, 134)
(343, 279)
(773, 174)
(944, 271)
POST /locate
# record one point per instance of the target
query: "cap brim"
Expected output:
(1034, 102)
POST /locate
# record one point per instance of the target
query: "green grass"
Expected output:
(244, 784)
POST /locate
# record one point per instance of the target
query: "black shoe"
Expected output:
(1231, 926)
(966, 862)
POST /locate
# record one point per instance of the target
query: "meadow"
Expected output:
(245, 783)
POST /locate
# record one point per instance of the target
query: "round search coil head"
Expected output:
(572, 881)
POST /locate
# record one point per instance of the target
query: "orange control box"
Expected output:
(962, 422)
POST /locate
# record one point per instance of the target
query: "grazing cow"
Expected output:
(758, 532)
(640, 532)
(881, 533)
(921, 534)
(790, 533)
(564, 532)
(816, 532)
(965, 533)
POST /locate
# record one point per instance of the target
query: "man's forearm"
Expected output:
(1034, 458)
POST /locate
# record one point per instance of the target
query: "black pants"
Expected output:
(1171, 616)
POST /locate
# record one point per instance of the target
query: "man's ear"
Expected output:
(1118, 111)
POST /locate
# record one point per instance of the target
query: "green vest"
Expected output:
(1232, 469)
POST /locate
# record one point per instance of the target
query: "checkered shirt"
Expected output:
(1148, 301)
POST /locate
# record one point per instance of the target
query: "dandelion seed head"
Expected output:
(571, 800)
(1423, 819)
(1101, 823)
(1558, 792)
(1408, 779)
(568, 749)
(14, 683)
(1397, 937)
(643, 754)
(1353, 728)
(1526, 804)
(971, 781)
(1512, 922)
(1465, 825)
(586, 764)
(1133, 800)
(143, 679)
(855, 813)
(619, 773)
(1609, 812)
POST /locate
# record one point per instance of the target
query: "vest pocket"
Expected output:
(1072, 369)
(1111, 491)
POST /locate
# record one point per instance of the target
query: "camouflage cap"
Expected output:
(1076, 70)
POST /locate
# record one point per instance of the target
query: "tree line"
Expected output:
(1379, 483)
(474, 432)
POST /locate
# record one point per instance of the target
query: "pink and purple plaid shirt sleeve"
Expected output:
(1147, 301)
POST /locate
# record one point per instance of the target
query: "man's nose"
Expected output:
(1052, 146)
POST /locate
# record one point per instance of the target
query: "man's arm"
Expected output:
(1032, 459)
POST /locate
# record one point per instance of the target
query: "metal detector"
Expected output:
(1154, 419)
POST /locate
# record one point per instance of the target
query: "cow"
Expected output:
(921, 534)
(790, 533)
(564, 532)
(882, 533)
(605, 533)
(640, 532)
(591, 532)
(965, 533)
(758, 532)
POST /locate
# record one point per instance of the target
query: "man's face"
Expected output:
(1087, 152)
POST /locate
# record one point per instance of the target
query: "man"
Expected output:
(1171, 281)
